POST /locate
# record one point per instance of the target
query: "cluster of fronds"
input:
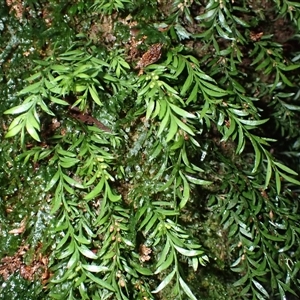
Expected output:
(189, 130)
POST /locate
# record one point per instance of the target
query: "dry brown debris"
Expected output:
(256, 36)
(17, 7)
(37, 269)
(20, 229)
(144, 253)
(150, 57)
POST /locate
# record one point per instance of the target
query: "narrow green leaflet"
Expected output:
(218, 92)
(95, 95)
(65, 153)
(44, 107)
(73, 260)
(32, 131)
(164, 122)
(278, 183)
(72, 182)
(187, 84)
(197, 180)
(289, 179)
(209, 15)
(53, 181)
(186, 289)
(166, 264)
(182, 113)
(187, 252)
(258, 156)
(156, 152)
(14, 131)
(140, 269)
(193, 95)
(285, 168)
(145, 221)
(184, 126)
(99, 281)
(96, 190)
(167, 87)
(95, 268)
(19, 109)
(34, 77)
(111, 196)
(242, 280)
(172, 129)
(241, 140)
(165, 282)
(268, 172)
(186, 192)
(151, 223)
(33, 88)
(69, 251)
(260, 288)
(211, 93)
(57, 200)
(253, 122)
(82, 239)
(63, 241)
(163, 254)
(272, 237)
(87, 252)
(58, 101)
(230, 130)
(150, 108)
(68, 162)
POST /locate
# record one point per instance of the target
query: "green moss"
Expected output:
(17, 287)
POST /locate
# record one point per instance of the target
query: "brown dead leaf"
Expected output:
(20, 229)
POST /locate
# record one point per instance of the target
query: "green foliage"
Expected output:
(110, 6)
(264, 235)
(191, 131)
(88, 156)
